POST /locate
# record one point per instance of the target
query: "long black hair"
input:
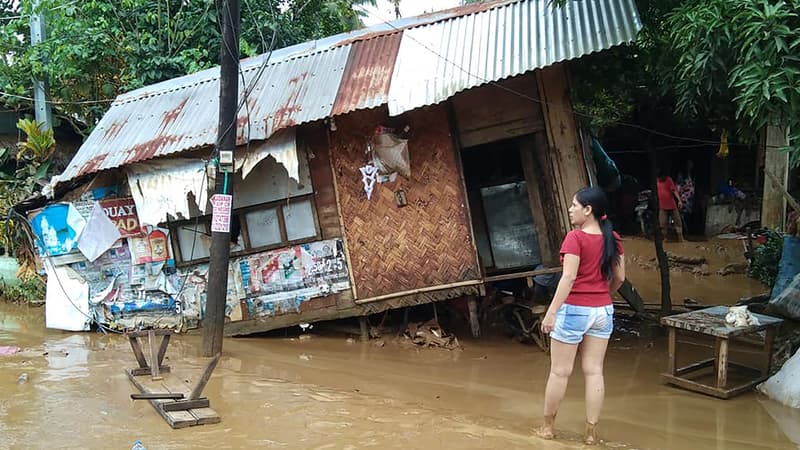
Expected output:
(596, 198)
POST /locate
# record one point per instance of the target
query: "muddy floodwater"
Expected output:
(704, 285)
(324, 392)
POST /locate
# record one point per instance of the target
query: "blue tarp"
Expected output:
(57, 229)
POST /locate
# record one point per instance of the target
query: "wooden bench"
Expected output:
(711, 322)
(169, 398)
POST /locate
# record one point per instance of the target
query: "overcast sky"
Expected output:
(408, 8)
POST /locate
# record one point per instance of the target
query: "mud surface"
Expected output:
(710, 289)
(326, 393)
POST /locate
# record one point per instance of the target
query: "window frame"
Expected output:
(244, 232)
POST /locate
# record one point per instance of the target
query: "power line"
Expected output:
(542, 102)
(83, 102)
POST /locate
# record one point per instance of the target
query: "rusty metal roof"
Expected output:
(407, 63)
(369, 71)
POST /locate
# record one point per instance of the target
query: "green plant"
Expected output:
(766, 257)
(28, 291)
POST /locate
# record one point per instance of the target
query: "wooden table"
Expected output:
(711, 322)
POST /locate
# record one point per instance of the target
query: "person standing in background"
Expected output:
(668, 204)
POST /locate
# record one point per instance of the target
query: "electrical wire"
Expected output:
(542, 102)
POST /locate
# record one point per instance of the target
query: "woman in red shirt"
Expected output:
(581, 314)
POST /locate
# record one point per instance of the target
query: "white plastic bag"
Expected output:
(784, 386)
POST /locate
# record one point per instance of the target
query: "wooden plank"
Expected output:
(159, 332)
(711, 321)
(533, 177)
(163, 349)
(722, 362)
(695, 367)
(529, 273)
(198, 388)
(175, 419)
(184, 405)
(776, 162)
(705, 389)
(154, 372)
(137, 351)
(139, 371)
(769, 339)
(672, 354)
(630, 295)
(205, 416)
(158, 396)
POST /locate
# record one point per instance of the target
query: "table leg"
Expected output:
(769, 338)
(672, 364)
(722, 362)
(154, 364)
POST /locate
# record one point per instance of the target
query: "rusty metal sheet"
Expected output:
(430, 58)
(182, 114)
(367, 75)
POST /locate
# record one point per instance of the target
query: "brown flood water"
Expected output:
(325, 393)
(712, 289)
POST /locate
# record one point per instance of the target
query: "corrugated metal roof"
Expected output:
(369, 71)
(407, 63)
(438, 60)
(182, 114)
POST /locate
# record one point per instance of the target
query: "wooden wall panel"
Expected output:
(315, 140)
(426, 243)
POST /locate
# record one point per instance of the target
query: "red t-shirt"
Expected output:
(666, 196)
(590, 287)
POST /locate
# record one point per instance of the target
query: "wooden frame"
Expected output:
(707, 322)
(241, 213)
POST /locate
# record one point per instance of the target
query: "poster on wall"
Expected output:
(122, 211)
(152, 246)
(57, 228)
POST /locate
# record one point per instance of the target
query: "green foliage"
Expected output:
(739, 61)
(766, 257)
(29, 291)
(98, 49)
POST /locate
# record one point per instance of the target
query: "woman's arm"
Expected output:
(569, 273)
(617, 275)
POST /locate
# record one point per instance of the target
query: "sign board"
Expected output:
(221, 215)
(122, 211)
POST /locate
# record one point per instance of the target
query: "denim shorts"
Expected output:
(574, 322)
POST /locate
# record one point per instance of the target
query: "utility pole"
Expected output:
(44, 115)
(222, 200)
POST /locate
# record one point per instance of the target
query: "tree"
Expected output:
(98, 49)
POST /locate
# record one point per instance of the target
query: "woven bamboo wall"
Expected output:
(428, 242)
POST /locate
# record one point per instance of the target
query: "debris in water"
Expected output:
(350, 340)
(23, 378)
(430, 334)
(305, 337)
(305, 357)
(8, 350)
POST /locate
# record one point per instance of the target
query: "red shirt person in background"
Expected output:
(581, 315)
(668, 204)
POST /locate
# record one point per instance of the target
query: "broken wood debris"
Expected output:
(430, 334)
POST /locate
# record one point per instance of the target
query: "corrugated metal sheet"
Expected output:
(438, 60)
(408, 63)
(182, 114)
(368, 73)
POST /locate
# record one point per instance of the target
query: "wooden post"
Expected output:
(198, 388)
(474, 323)
(722, 362)
(769, 338)
(672, 358)
(137, 351)
(362, 322)
(154, 361)
(776, 162)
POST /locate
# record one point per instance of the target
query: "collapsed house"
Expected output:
(406, 163)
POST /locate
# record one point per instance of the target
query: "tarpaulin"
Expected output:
(160, 188)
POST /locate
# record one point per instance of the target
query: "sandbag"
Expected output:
(789, 265)
(784, 386)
